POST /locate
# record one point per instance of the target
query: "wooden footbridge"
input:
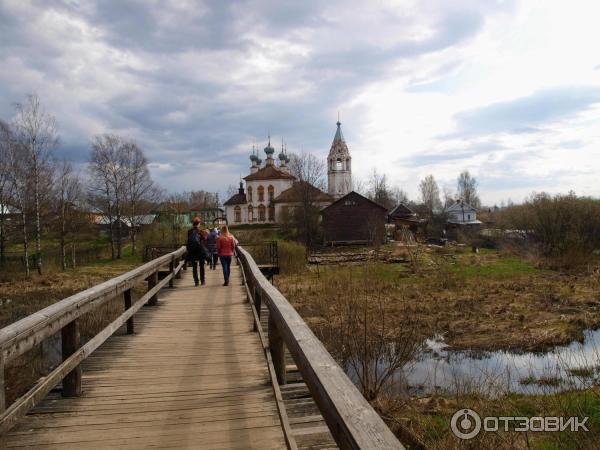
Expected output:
(208, 367)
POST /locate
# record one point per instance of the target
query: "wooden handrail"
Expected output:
(353, 423)
(23, 335)
(18, 337)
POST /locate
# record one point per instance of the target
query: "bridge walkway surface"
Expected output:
(193, 375)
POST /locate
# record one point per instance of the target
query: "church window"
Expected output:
(338, 164)
(261, 212)
(250, 194)
(271, 190)
(261, 194)
(250, 213)
(237, 213)
(271, 210)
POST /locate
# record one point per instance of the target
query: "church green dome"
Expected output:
(268, 149)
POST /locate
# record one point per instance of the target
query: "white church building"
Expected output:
(271, 189)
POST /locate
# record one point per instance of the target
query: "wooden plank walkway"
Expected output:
(193, 376)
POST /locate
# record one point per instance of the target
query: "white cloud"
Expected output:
(196, 82)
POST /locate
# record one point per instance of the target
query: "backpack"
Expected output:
(195, 247)
(193, 241)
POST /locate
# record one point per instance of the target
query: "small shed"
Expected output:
(404, 217)
(353, 219)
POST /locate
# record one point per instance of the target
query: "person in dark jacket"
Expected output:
(211, 244)
(197, 252)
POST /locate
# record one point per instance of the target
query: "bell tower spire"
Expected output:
(339, 168)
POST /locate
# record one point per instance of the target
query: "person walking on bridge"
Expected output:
(197, 252)
(225, 247)
(211, 243)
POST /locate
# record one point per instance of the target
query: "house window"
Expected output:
(468, 216)
(250, 194)
(261, 212)
(271, 190)
(271, 210)
(237, 214)
(250, 213)
(350, 203)
(261, 194)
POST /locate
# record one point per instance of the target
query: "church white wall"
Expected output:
(339, 183)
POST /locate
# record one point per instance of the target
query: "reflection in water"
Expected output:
(498, 372)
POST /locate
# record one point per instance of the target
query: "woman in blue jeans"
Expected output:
(225, 248)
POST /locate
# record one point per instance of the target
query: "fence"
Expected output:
(63, 316)
(75, 256)
(353, 423)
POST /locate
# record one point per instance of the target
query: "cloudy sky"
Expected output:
(509, 90)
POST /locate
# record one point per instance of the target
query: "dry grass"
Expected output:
(484, 301)
(487, 301)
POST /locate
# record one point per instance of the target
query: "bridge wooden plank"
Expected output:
(193, 375)
(353, 423)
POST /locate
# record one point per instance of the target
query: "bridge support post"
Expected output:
(71, 385)
(127, 299)
(257, 305)
(277, 348)
(2, 386)
(171, 271)
(153, 281)
(178, 274)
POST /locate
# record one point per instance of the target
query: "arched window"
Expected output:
(237, 214)
(261, 213)
(338, 164)
(249, 194)
(271, 190)
(271, 211)
(261, 194)
(250, 213)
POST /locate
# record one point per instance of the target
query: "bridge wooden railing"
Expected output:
(353, 423)
(63, 316)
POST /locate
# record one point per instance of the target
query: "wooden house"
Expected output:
(461, 213)
(404, 217)
(353, 219)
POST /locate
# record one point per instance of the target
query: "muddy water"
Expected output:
(498, 372)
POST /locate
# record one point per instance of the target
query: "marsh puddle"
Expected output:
(574, 366)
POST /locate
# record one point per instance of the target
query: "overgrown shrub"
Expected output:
(565, 229)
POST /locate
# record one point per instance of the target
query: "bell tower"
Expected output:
(339, 169)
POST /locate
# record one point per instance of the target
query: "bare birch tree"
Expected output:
(67, 194)
(430, 194)
(107, 167)
(467, 189)
(310, 172)
(379, 191)
(20, 187)
(36, 132)
(140, 191)
(6, 143)
(448, 197)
